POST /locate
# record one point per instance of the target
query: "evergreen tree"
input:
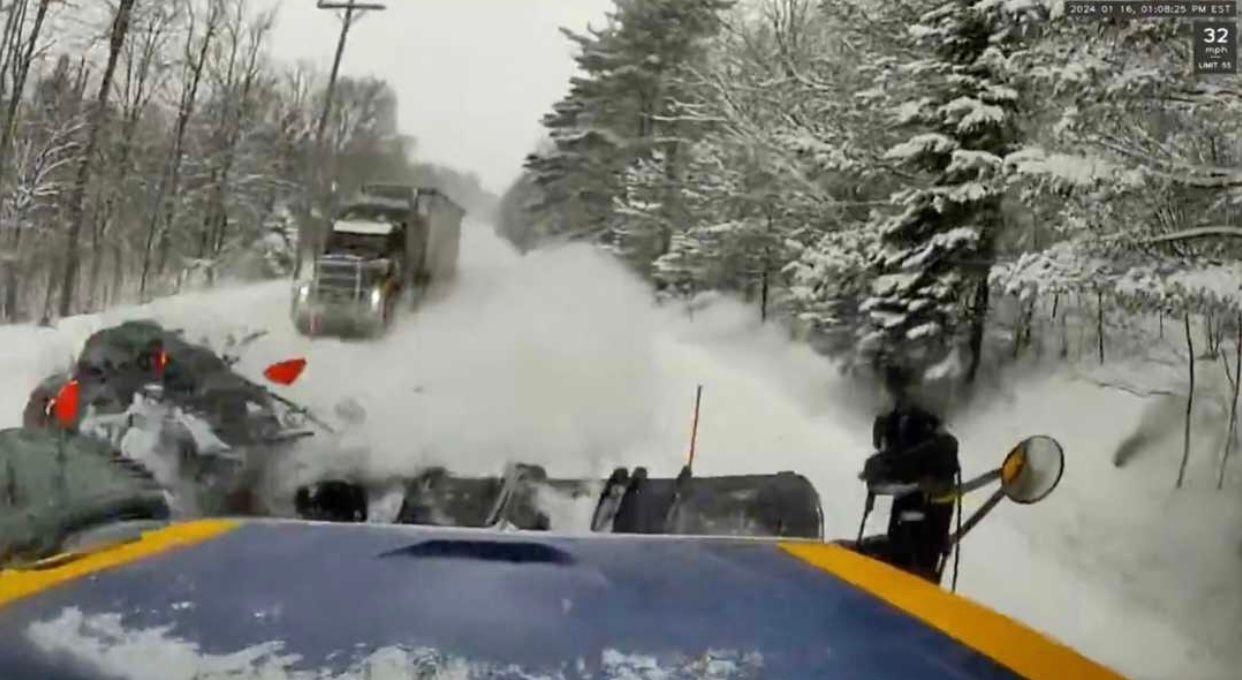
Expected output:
(618, 121)
(935, 255)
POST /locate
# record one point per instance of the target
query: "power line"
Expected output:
(350, 8)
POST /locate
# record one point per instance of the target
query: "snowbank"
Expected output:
(1116, 562)
(561, 358)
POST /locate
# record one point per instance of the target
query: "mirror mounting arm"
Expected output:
(969, 524)
(979, 482)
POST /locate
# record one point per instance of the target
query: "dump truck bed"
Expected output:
(443, 219)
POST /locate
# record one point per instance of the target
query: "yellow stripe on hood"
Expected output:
(18, 583)
(1011, 644)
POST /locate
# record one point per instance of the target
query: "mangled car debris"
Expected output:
(177, 409)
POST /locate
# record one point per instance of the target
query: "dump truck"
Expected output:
(389, 241)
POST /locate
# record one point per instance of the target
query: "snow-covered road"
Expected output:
(561, 358)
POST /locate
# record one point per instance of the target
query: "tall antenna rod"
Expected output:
(694, 429)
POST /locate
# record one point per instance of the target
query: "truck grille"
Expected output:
(341, 278)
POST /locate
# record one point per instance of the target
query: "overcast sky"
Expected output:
(473, 76)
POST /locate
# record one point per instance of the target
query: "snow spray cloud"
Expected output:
(560, 358)
(550, 363)
(544, 359)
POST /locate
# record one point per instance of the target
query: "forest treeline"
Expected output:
(147, 145)
(914, 181)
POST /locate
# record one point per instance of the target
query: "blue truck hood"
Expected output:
(301, 599)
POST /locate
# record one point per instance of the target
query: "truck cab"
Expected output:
(377, 242)
(388, 240)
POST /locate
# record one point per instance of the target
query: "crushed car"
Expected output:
(178, 409)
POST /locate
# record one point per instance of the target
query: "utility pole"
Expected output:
(350, 8)
(353, 9)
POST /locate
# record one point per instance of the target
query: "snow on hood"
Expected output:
(102, 642)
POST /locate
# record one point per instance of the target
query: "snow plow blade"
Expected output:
(783, 504)
(264, 598)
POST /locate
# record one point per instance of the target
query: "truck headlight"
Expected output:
(377, 297)
(303, 292)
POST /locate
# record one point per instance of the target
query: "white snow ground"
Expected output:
(561, 358)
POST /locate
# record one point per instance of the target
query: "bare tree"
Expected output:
(138, 149)
(77, 204)
(164, 205)
(38, 183)
(1235, 385)
(1190, 401)
(140, 77)
(19, 66)
(17, 56)
(242, 69)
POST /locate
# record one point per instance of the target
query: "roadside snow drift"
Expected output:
(561, 358)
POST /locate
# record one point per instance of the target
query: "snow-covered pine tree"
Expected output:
(514, 221)
(749, 195)
(932, 282)
(619, 113)
(578, 176)
(675, 229)
(641, 219)
(823, 125)
(1132, 163)
(732, 227)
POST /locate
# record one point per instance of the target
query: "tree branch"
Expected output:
(1130, 390)
(1223, 231)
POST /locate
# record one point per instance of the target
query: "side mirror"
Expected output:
(1032, 469)
(1030, 472)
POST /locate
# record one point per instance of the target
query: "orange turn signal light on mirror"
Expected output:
(1012, 467)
